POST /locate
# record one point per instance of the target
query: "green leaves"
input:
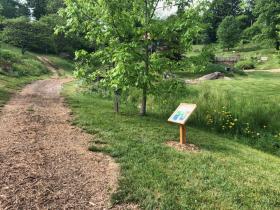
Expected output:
(134, 48)
(268, 17)
(229, 32)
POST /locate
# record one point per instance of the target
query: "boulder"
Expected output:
(212, 76)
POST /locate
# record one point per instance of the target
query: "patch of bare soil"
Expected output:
(44, 161)
(183, 147)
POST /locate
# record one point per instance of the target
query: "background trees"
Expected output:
(41, 8)
(13, 8)
(229, 32)
(217, 11)
(268, 17)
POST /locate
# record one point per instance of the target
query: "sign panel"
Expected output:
(182, 113)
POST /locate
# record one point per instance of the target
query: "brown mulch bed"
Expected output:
(44, 160)
(183, 147)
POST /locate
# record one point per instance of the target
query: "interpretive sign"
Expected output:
(180, 116)
(182, 113)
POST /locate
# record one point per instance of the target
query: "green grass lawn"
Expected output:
(252, 99)
(23, 70)
(247, 52)
(67, 65)
(225, 174)
(273, 61)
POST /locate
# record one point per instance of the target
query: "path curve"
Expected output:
(268, 70)
(44, 160)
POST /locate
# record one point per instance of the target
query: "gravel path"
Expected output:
(44, 161)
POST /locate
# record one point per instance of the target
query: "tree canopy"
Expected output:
(218, 10)
(13, 9)
(268, 17)
(229, 32)
(128, 37)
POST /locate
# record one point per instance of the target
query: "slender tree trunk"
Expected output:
(145, 86)
(277, 45)
(144, 102)
(143, 110)
(117, 101)
(22, 50)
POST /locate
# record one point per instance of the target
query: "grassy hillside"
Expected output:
(247, 52)
(17, 70)
(67, 66)
(246, 106)
(252, 100)
(225, 174)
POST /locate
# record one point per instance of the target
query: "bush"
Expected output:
(208, 53)
(246, 64)
(211, 67)
(198, 63)
(229, 32)
(167, 95)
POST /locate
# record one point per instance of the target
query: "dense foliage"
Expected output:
(130, 41)
(229, 32)
(268, 17)
(13, 9)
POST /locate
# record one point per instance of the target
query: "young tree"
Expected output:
(229, 32)
(125, 32)
(268, 17)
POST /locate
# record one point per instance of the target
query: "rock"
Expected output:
(227, 78)
(212, 76)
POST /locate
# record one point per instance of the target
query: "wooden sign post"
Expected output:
(180, 117)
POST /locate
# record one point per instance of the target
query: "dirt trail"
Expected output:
(269, 70)
(44, 161)
(49, 65)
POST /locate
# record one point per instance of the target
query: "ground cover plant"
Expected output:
(225, 174)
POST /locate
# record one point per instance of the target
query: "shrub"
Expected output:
(167, 95)
(198, 63)
(229, 32)
(246, 64)
(211, 67)
(208, 53)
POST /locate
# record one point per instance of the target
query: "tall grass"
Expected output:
(247, 105)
